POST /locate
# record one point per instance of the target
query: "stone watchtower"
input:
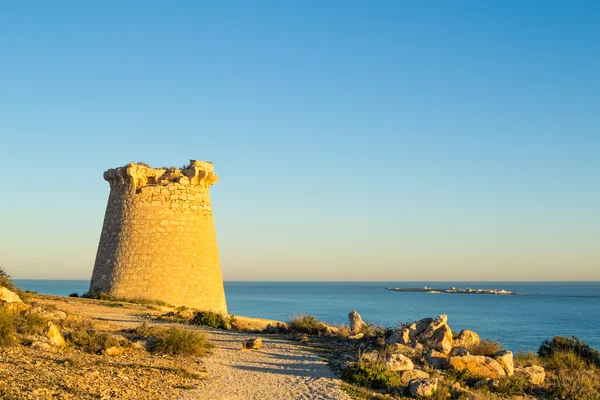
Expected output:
(158, 241)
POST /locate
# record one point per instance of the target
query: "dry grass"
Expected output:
(31, 323)
(486, 348)
(307, 324)
(85, 335)
(180, 341)
(8, 333)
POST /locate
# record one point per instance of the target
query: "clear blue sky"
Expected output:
(354, 140)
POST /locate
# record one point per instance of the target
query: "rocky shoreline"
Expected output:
(114, 357)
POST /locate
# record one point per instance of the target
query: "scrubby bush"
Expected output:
(485, 348)
(307, 324)
(74, 294)
(85, 335)
(560, 344)
(8, 332)
(374, 376)
(579, 385)
(180, 341)
(6, 281)
(31, 323)
(213, 319)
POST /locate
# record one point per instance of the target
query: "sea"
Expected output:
(539, 311)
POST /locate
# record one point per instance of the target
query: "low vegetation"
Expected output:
(179, 341)
(213, 320)
(485, 348)
(8, 333)
(373, 375)
(85, 335)
(560, 344)
(307, 324)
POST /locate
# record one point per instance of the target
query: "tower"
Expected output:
(158, 240)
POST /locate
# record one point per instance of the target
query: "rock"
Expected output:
(459, 352)
(113, 351)
(489, 383)
(401, 337)
(418, 327)
(9, 296)
(272, 329)
(505, 359)
(436, 359)
(356, 322)
(534, 374)
(54, 335)
(440, 339)
(253, 344)
(466, 338)
(423, 387)
(478, 366)
(59, 315)
(372, 356)
(405, 350)
(41, 346)
(398, 362)
(359, 335)
(407, 376)
(15, 307)
(438, 322)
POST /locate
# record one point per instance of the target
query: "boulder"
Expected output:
(54, 335)
(113, 351)
(15, 307)
(436, 359)
(440, 339)
(41, 346)
(534, 374)
(356, 322)
(423, 387)
(478, 366)
(438, 322)
(505, 359)
(466, 338)
(418, 327)
(405, 350)
(9, 296)
(401, 337)
(459, 352)
(488, 383)
(407, 376)
(399, 362)
(372, 356)
(253, 344)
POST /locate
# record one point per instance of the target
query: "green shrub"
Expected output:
(560, 344)
(374, 376)
(8, 333)
(307, 324)
(180, 341)
(213, 320)
(74, 294)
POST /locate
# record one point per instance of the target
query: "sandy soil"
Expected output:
(282, 369)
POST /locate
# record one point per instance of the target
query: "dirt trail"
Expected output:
(280, 370)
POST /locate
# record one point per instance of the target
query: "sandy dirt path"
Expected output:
(280, 370)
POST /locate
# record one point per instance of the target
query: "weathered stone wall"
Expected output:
(158, 241)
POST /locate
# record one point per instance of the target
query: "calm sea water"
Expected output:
(541, 311)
